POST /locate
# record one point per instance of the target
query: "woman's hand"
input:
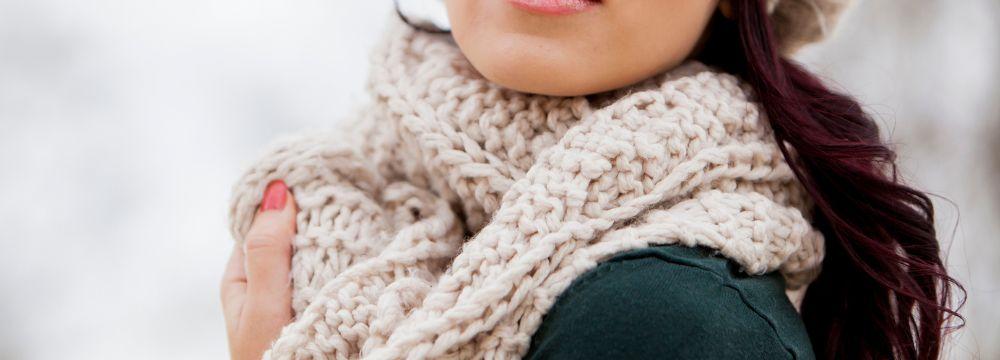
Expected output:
(256, 288)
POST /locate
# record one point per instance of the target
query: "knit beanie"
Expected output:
(801, 22)
(796, 22)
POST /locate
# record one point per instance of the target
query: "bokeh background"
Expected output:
(123, 124)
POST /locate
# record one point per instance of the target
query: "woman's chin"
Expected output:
(537, 77)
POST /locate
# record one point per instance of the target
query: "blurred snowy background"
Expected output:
(123, 124)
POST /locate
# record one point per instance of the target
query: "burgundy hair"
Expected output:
(884, 291)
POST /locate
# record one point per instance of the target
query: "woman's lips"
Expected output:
(555, 7)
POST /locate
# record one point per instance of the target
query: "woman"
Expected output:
(590, 179)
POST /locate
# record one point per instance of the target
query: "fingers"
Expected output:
(267, 304)
(256, 286)
(268, 248)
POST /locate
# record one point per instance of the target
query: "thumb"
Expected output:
(268, 248)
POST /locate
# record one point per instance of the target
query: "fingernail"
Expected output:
(274, 196)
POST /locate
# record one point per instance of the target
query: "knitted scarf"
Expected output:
(445, 220)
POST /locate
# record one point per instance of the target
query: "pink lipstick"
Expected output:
(555, 7)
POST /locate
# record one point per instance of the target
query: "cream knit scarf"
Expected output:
(448, 218)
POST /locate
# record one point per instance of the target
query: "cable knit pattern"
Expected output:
(445, 221)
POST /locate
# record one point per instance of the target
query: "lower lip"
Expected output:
(555, 7)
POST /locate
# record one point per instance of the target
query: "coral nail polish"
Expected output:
(274, 196)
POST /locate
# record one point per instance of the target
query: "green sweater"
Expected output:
(671, 302)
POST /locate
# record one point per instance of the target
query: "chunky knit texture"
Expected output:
(445, 221)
